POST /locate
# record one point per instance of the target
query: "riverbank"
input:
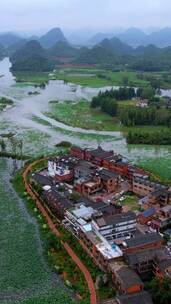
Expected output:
(97, 77)
(80, 115)
(94, 77)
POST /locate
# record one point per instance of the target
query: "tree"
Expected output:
(160, 290)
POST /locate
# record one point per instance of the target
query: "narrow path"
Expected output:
(52, 226)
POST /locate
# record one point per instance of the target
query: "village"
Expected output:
(88, 191)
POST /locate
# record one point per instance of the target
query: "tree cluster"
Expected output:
(160, 290)
(107, 101)
(135, 116)
(161, 137)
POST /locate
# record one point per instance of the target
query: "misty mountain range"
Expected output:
(133, 48)
(132, 36)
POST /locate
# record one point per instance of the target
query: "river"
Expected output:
(20, 117)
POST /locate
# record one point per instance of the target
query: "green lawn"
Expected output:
(132, 202)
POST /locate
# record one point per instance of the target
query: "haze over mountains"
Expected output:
(132, 47)
(132, 36)
(136, 37)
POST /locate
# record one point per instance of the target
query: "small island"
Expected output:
(5, 102)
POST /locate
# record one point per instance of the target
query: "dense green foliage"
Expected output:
(30, 57)
(134, 116)
(4, 102)
(160, 290)
(110, 53)
(116, 53)
(63, 49)
(34, 63)
(107, 101)
(162, 137)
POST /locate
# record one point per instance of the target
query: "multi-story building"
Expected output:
(96, 156)
(146, 262)
(126, 280)
(109, 180)
(78, 221)
(142, 186)
(142, 242)
(162, 219)
(60, 171)
(57, 203)
(146, 216)
(120, 226)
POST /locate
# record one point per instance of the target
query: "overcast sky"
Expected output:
(28, 15)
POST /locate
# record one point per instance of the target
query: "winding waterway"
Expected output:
(20, 117)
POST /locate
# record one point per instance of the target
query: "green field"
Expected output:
(99, 78)
(94, 77)
(24, 270)
(73, 134)
(160, 167)
(26, 78)
(81, 115)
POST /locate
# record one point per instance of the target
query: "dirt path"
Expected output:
(75, 258)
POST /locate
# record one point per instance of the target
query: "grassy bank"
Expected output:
(94, 77)
(73, 134)
(99, 78)
(31, 78)
(80, 115)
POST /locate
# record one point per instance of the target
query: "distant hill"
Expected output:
(116, 46)
(133, 37)
(7, 39)
(52, 37)
(30, 57)
(99, 37)
(96, 55)
(136, 37)
(108, 51)
(113, 53)
(63, 49)
(27, 50)
(161, 38)
(34, 63)
(16, 46)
